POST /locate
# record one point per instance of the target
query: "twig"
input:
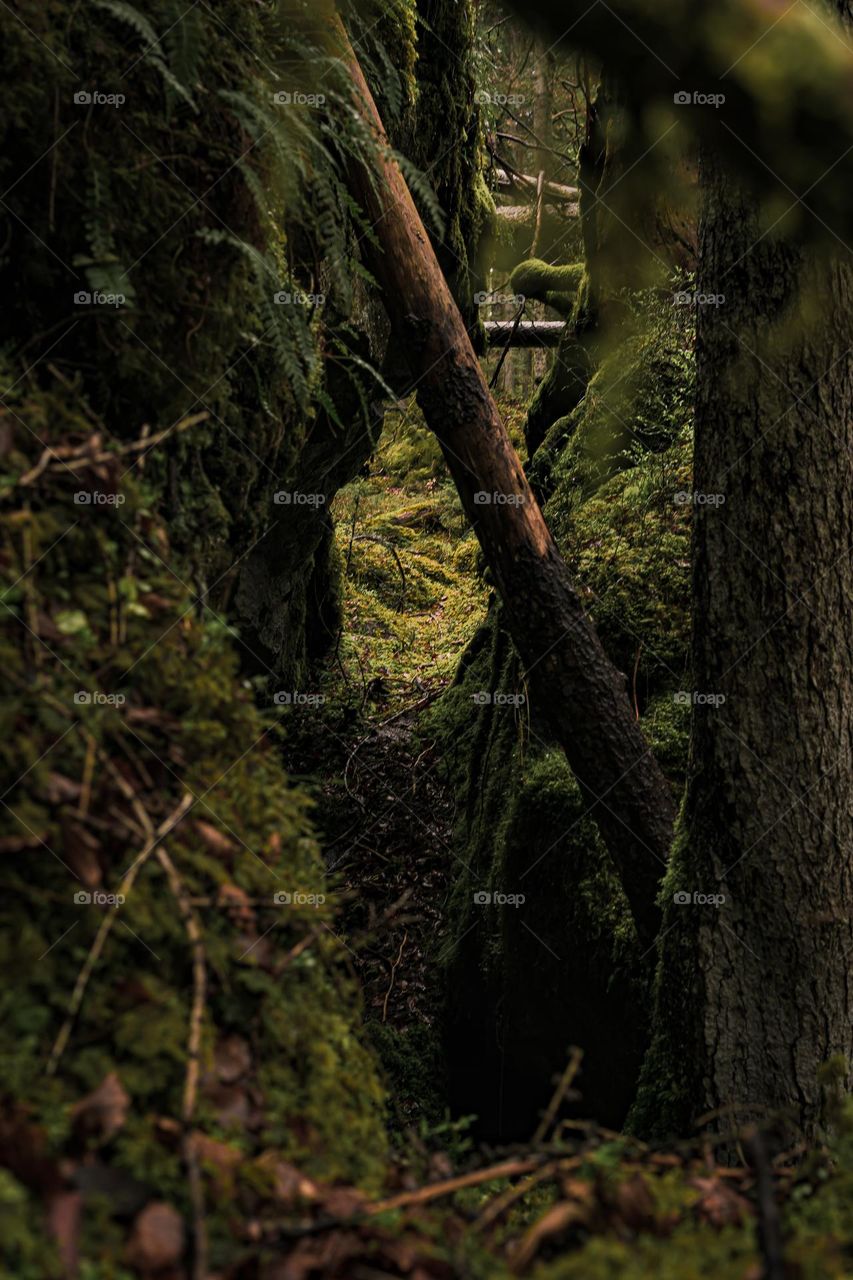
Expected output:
(104, 930)
(516, 322)
(393, 974)
(495, 1208)
(383, 542)
(301, 945)
(634, 680)
(88, 772)
(73, 459)
(540, 193)
(563, 1085)
(352, 533)
(509, 1169)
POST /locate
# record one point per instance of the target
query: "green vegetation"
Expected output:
(200, 1009)
(412, 595)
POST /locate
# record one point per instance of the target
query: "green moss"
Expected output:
(556, 286)
(564, 385)
(526, 981)
(125, 601)
(638, 401)
(446, 112)
(522, 824)
(690, 1253)
(412, 598)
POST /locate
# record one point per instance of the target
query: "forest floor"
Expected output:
(577, 1201)
(413, 598)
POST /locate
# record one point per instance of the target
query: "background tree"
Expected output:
(754, 995)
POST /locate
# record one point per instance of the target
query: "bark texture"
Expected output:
(568, 671)
(754, 995)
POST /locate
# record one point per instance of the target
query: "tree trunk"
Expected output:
(568, 671)
(754, 994)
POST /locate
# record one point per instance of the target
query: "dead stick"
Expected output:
(573, 1066)
(104, 931)
(393, 974)
(509, 1169)
(495, 1208)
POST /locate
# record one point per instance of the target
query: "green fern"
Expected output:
(137, 21)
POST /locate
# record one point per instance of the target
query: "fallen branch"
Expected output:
(527, 182)
(78, 457)
(508, 1169)
(524, 333)
(525, 214)
(574, 682)
(564, 1084)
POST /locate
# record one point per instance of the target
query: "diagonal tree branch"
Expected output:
(571, 678)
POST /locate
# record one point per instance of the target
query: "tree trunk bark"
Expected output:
(568, 671)
(754, 994)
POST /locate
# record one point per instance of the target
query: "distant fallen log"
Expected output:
(526, 182)
(526, 213)
(528, 333)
